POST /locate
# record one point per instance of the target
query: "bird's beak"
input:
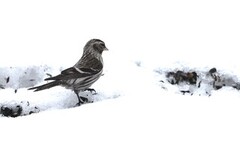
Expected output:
(105, 49)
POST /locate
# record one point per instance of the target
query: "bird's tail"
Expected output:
(45, 86)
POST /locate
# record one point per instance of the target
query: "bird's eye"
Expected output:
(102, 44)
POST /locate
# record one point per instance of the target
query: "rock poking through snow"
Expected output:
(193, 81)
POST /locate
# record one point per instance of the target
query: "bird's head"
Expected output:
(96, 45)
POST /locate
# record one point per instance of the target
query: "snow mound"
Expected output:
(16, 100)
(22, 77)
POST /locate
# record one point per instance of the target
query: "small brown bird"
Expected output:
(83, 74)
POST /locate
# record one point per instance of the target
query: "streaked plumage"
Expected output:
(83, 74)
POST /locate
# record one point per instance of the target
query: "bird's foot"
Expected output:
(91, 90)
(83, 100)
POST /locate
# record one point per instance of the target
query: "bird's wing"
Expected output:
(73, 73)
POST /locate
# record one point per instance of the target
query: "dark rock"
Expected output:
(7, 79)
(1, 87)
(184, 92)
(11, 111)
(213, 70)
(180, 76)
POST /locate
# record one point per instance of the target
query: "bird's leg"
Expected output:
(91, 90)
(79, 100)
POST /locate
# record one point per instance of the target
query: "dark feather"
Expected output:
(73, 73)
(45, 86)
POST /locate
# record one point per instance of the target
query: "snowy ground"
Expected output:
(132, 110)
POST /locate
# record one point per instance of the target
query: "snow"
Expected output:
(131, 109)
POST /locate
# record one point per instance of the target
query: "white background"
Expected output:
(165, 34)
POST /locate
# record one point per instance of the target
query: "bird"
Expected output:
(83, 74)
